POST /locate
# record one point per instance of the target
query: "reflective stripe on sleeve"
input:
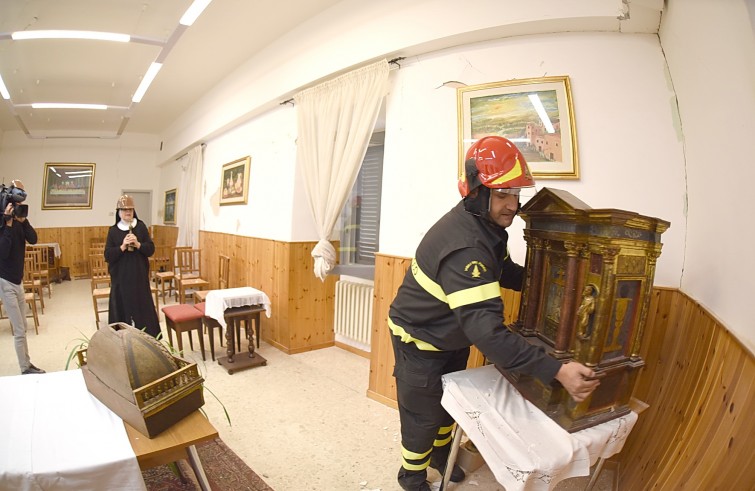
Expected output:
(474, 295)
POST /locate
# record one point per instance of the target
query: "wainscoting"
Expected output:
(698, 380)
(302, 306)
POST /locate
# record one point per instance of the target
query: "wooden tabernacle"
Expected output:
(589, 273)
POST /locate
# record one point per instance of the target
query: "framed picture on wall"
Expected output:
(67, 186)
(234, 182)
(169, 213)
(536, 114)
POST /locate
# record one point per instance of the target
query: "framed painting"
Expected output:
(234, 182)
(536, 114)
(169, 209)
(68, 186)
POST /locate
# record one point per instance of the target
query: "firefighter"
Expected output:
(450, 299)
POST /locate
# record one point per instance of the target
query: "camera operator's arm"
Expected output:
(29, 233)
(5, 234)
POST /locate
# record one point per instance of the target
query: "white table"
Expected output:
(219, 300)
(523, 447)
(56, 435)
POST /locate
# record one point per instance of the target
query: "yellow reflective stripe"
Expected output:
(507, 254)
(515, 172)
(427, 284)
(407, 338)
(474, 295)
(445, 429)
(415, 467)
(409, 455)
(440, 443)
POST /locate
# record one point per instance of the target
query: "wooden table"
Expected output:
(230, 307)
(175, 443)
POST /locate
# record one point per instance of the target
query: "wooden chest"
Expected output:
(589, 273)
(139, 380)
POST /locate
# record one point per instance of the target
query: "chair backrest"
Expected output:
(29, 271)
(224, 271)
(45, 258)
(35, 256)
(189, 261)
(99, 270)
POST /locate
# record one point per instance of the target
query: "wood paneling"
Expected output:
(302, 306)
(698, 381)
(74, 243)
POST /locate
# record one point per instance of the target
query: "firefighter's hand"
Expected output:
(577, 379)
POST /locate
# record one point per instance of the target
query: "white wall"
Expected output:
(276, 207)
(127, 163)
(711, 54)
(630, 155)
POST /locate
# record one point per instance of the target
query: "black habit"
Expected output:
(130, 293)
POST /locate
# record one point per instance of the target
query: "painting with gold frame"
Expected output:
(234, 182)
(169, 209)
(536, 114)
(68, 186)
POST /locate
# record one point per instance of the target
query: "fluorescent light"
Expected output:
(79, 173)
(3, 89)
(59, 34)
(148, 78)
(194, 11)
(535, 100)
(65, 105)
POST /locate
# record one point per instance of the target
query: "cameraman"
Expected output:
(15, 232)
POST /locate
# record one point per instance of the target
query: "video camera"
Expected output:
(15, 195)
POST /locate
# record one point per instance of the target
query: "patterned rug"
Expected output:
(225, 472)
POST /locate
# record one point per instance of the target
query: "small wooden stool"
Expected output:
(183, 318)
(210, 324)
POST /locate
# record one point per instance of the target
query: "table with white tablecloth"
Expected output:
(56, 435)
(524, 448)
(238, 305)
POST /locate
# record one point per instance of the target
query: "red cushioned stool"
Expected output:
(210, 324)
(183, 318)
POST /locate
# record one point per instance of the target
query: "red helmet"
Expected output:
(496, 163)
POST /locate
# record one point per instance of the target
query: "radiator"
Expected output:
(353, 320)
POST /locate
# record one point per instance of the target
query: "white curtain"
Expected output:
(335, 121)
(189, 199)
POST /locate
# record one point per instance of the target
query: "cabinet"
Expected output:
(589, 273)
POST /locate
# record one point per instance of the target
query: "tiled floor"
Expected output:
(303, 422)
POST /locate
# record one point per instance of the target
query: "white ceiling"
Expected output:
(99, 72)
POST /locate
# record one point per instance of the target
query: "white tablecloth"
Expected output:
(54, 245)
(218, 300)
(56, 436)
(523, 447)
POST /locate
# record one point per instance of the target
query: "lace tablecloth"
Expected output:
(56, 435)
(523, 447)
(218, 300)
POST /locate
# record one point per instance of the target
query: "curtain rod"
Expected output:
(187, 153)
(394, 61)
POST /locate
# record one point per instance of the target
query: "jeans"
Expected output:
(14, 303)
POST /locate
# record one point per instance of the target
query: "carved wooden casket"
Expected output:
(134, 375)
(589, 274)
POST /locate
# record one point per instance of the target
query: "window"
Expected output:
(360, 217)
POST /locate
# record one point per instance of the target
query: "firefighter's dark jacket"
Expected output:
(450, 297)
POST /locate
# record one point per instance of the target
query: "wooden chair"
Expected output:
(42, 258)
(29, 297)
(224, 271)
(99, 274)
(31, 283)
(183, 318)
(189, 276)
